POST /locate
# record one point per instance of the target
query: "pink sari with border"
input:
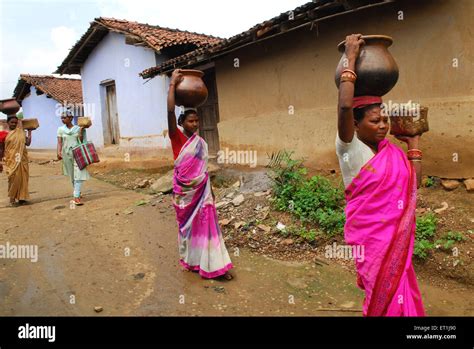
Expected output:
(380, 215)
(201, 246)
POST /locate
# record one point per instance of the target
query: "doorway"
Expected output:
(111, 120)
(209, 114)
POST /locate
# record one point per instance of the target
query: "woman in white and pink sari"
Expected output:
(201, 246)
(381, 183)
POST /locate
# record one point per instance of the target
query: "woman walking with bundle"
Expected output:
(69, 136)
(13, 145)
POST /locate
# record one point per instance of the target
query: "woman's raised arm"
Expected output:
(345, 116)
(176, 77)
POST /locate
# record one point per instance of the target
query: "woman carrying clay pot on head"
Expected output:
(201, 246)
(13, 145)
(69, 136)
(381, 183)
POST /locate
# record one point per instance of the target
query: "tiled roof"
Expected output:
(140, 34)
(158, 37)
(63, 90)
(308, 14)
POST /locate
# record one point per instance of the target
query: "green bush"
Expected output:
(422, 248)
(425, 231)
(426, 226)
(311, 200)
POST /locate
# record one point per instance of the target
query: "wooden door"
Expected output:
(209, 114)
(111, 130)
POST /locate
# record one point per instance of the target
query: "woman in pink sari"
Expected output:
(381, 183)
(201, 246)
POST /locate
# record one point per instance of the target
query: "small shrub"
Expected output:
(312, 200)
(449, 240)
(425, 231)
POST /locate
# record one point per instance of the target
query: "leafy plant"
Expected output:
(422, 248)
(429, 182)
(449, 239)
(302, 232)
(311, 200)
(425, 231)
(426, 226)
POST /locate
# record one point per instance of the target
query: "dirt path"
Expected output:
(123, 257)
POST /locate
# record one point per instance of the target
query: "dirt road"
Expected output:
(115, 254)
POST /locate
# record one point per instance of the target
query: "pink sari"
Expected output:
(380, 215)
(201, 246)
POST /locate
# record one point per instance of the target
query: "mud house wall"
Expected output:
(297, 69)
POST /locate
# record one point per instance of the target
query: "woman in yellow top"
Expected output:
(13, 149)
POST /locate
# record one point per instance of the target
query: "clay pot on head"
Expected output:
(191, 92)
(9, 106)
(377, 71)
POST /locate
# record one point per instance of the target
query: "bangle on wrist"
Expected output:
(349, 71)
(347, 77)
(414, 153)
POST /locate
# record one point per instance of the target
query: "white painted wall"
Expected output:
(44, 109)
(141, 106)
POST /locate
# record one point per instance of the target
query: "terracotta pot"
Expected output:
(84, 121)
(30, 124)
(407, 125)
(191, 92)
(9, 106)
(377, 71)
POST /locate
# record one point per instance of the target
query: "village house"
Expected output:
(44, 97)
(275, 84)
(125, 111)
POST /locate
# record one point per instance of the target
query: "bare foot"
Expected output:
(226, 277)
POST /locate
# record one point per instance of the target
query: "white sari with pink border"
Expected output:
(201, 246)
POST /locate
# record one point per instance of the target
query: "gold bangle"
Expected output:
(349, 71)
(348, 77)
